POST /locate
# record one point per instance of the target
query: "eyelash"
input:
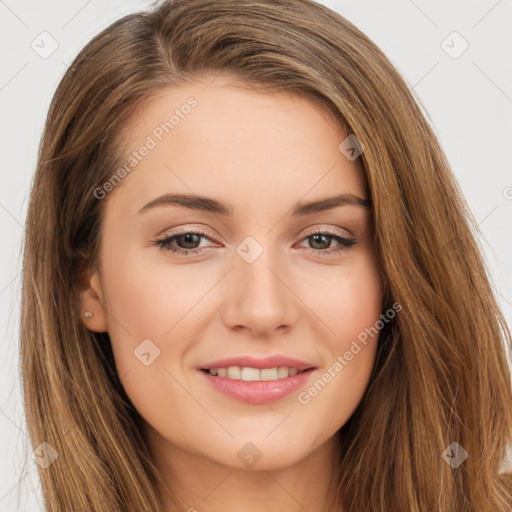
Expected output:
(345, 243)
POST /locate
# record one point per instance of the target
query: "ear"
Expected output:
(91, 297)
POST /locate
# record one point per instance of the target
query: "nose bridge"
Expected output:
(260, 301)
(260, 278)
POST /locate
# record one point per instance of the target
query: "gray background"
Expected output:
(466, 95)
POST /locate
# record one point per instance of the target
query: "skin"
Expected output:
(261, 153)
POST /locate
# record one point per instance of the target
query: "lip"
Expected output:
(258, 392)
(267, 362)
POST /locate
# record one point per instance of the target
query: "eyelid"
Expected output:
(335, 230)
(187, 229)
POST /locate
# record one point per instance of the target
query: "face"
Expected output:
(249, 272)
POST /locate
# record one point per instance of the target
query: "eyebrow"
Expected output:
(215, 206)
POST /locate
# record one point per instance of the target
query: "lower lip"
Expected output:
(258, 392)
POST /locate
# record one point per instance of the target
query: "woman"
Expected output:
(250, 279)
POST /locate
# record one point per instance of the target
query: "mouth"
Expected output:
(257, 385)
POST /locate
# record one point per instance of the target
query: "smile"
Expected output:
(256, 386)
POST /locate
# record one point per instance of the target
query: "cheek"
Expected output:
(346, 301)
(349, 305)
(157, 312)
(151, 323)
(149, 300)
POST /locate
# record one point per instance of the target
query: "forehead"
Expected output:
(217, 139)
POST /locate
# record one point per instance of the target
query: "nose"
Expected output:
(260, 297)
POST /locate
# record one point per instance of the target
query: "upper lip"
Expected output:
(267, 362)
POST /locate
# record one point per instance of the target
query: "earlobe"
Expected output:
(93, 313)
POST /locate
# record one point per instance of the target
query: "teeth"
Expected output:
(234, 372)
(249, 374)
(268, 374)
(282, 372)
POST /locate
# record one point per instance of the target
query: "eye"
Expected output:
(321, 242)
(188, 242)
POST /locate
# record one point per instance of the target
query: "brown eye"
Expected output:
(183, 243)
(188, 241)
(321, 242)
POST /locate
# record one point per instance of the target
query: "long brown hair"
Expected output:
(441, 374)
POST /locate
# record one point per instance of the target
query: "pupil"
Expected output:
(324, 245)
(189, 240)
